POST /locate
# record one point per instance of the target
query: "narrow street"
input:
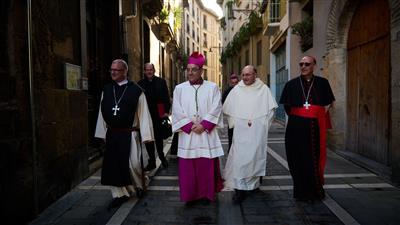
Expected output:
(354, 196)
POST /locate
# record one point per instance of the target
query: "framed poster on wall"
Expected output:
(72, 76)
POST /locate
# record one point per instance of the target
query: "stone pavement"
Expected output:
(354, 196)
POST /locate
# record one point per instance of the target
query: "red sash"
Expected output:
(324, 123)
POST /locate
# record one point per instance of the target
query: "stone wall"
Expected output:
(395, 89)
(15, 124)
(61, 115)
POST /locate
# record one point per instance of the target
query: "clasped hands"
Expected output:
(198, 128)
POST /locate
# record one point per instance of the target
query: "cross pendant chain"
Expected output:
(306, 105)
(115, 109)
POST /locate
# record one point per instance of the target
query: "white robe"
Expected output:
(250, 110)
(143, 121)
(191, 146)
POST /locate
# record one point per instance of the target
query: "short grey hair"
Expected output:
(121, 61)
(148, 64)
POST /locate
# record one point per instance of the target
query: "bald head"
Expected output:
(307, 64)
(249, 74)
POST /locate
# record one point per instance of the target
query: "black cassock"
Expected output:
(115, 171)
(302, 135)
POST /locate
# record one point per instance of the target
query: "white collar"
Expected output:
(122, 82)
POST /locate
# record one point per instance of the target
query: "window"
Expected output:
(198, 16)
(274, 11)
(229, 11)
(205, 56)
(259, 52)
(193, 46)
(134, 8)
(193, 30)
(205, 40)
(247, 57)
(204, 21)
(187, 46)
(198, 35)
(187, 24)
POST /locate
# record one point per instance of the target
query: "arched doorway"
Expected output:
(368, 81)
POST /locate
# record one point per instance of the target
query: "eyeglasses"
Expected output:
(304, 64)
(193, 70)
(116, 70)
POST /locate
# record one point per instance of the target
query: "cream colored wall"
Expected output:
(155, 52)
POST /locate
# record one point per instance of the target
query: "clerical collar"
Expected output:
(197, 82)
(122, 82)
(305, 80)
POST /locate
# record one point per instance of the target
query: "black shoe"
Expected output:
(149, 167)
(190, 203)
(164, 164)
(139, 192)
(117, 202)
(204, 201)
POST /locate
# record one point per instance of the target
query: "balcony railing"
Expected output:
(274, 11)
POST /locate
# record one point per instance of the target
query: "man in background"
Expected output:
(156, 92)
(233, 80)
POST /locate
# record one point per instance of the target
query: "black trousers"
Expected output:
(159, 145)
(174, 144)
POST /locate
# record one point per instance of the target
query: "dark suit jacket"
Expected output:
(156, 92)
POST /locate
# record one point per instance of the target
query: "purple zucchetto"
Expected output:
(197, 59)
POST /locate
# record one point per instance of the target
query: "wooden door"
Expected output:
(368, 81)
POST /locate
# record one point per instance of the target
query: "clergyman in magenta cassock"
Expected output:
(196, 112)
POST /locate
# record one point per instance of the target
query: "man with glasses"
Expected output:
(307, 99)
(156, 92)
(196, 111)
(123, 113)
(250, 108)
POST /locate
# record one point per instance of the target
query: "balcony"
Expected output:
(162, 31)
(271, 29)
(172, 46)
(151, 7)
(274, 17)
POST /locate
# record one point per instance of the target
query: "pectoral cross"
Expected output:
(115, 109)
(306, 105)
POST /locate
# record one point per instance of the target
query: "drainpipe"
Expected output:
(140, 12)
(32, 105)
